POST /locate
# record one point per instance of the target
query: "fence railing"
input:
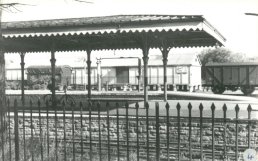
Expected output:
(123, 132)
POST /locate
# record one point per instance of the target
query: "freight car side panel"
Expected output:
(242, 75)
(227, 75)
(218, 75)
(153, 75)
(195, 76)
(160, 75)
(133, 72)
(177, 77)
(108, 75)
(253, 74)
(122, 74)
(182, 75)
(208, 76)
(230, 76)
(170, 75)
(235, 75)
(212, 76)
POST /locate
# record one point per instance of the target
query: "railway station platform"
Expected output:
(153, 95)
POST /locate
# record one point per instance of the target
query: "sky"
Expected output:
(227, 16)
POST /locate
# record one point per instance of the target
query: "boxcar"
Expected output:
(231, 76)
(183, 73)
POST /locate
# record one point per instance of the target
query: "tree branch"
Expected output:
(12, 7)
(83, 1)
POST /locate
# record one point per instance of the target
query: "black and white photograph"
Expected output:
(128, 80)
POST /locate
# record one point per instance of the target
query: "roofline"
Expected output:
(42, 20)
(215, 31)
(45, 22)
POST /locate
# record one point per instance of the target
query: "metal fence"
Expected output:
(116, 131)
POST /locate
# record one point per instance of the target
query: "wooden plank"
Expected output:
(253, 75)
(235, 76)
(214, 79)
(242, 76)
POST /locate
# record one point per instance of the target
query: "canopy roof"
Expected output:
(109, 32)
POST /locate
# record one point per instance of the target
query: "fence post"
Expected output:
(16, 131)
(190, 130)
(117, 128)
(147, 129)
(99, 124)
(90, 106)
(73, 129)
(212, 129)
(64, 123)
(40, 131)
(108, 130)
(24, 134)
(157, 132)
(31, 131)
(168, 141)
(201, 135)
(178, 131)
(249, 109)
(9, 129)
(137, 130)
(127, 131)
(2, 127)
(225, 130)
(236, 141)
(81, 106)
(56, 143)
(47, 104)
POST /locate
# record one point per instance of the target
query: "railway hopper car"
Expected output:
(231, 76)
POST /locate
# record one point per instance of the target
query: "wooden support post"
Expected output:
(2, 89)
(2, 76)
(145, 58)
(165, 61)
(139, 74)
(22, 55)
(53, 71)
(99, 74)
(89, 73)
(165, 50)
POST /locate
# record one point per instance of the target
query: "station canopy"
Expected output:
(109, 33)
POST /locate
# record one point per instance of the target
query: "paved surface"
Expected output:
(200, 95)
(231, 99)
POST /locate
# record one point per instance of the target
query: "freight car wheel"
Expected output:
(247, 90)
(218, 90)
